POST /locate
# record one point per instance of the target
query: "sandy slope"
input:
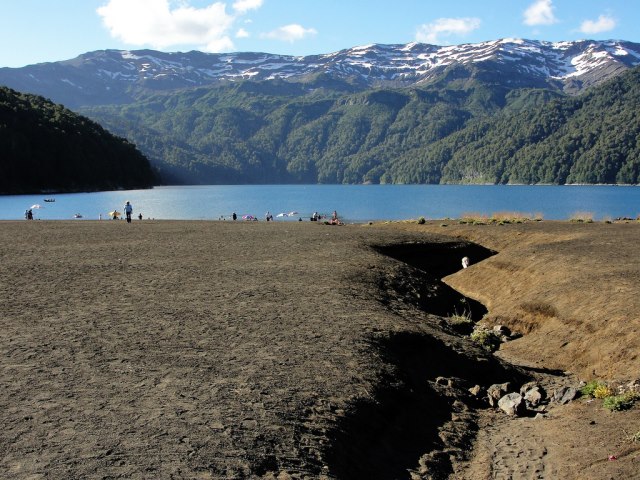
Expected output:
(253, 349)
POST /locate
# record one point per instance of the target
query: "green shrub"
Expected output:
(616, 403)
(422, 221)
(460, 318)
(589, 389)
(486, 339)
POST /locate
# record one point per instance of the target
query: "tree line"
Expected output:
(45, 147)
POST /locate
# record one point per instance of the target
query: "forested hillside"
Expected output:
(281, 132)
(45, 148)
(593, 138)
(460, 130)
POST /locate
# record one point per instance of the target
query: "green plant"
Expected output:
(422, 221)
(589, 389)
(616, 403)
(460, 318)
(486, 339)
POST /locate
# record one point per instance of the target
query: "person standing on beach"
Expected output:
(234, 216)
(128, 210)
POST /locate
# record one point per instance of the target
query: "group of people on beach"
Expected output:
(128, 211)
(315, 217)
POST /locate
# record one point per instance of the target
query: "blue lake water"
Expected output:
(354, 203)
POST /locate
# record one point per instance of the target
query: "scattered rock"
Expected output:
(534, 397)
(633, 386)
(526, 387)
(502, 330)
(512, 404)
(564, 395)
(533, 394)
(496, 391)
(476, 391)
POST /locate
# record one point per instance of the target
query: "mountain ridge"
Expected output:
(121, 76)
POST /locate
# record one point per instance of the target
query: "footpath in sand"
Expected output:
(295, 350)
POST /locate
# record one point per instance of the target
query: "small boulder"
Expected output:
(527, 386)
(533, 394)
(512, 404)
(476, 391)
(534, 397)
(564, 395)
(496, 391)
(501, 330)
(442, 381)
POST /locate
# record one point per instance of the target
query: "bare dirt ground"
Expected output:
(296, 350)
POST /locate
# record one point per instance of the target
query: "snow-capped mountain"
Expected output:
(114, 76)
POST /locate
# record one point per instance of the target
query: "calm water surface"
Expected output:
(354, 203)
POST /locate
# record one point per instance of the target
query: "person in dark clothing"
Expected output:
(128, 210)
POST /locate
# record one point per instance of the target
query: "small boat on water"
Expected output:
(49, 200)
(77, 215)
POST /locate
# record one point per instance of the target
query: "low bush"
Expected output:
(616, 403)
(589, 389)
(603, 391)
(486, 339)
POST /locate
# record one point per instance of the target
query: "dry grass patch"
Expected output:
(582, 217)
(499, 218)
(540, 309)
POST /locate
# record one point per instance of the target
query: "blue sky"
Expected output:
(34, 31)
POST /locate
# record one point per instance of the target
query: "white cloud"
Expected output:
(431, 32)
(165, 23)
(242, 33)
(243, 6)
(290, 33)
(540, 13)
(603, 24)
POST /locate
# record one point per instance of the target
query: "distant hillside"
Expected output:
(592, 138)
(412, 113)
(45, 148)
(264, 133)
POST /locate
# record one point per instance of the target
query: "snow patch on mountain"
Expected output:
(513, 61)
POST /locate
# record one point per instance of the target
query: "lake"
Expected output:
(354, 203)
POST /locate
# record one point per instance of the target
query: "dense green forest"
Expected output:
(459, 130)
(46, 148)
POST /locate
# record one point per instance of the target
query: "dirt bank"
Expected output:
(573, 290)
